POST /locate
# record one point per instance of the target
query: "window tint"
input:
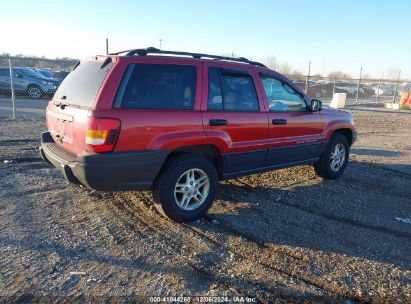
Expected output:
(81, 86)
(282, 97)
(231, 91)
(157, 86)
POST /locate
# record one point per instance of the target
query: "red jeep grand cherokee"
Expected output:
(178, 122)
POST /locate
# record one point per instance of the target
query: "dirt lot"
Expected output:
(283, 236)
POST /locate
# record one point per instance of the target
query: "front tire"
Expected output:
(334, 159)
(186, 187)
(34, 92)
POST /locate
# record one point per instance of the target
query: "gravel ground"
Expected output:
(279, 237)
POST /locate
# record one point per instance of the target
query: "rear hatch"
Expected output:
(68, 112)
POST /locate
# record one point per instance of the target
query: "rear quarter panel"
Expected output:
(152, 129)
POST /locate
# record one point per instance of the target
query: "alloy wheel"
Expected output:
(191, 189)
(34, 93)
(337, 157)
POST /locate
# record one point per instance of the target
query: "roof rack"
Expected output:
(152, 50)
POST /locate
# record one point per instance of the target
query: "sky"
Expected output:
(334, 35)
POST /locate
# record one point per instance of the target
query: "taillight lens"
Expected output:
(102, 134)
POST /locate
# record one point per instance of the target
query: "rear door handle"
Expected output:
(217, 122)
(279, 121)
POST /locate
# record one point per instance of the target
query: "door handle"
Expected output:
(217, 122)
(279, 121)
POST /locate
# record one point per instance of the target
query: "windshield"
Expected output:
(82, 85)
(30, 73)
(45, 73)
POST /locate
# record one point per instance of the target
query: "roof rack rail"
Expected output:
(152, 50)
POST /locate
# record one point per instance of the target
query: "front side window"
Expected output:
(157, 86)
(281, 97)
(231, 91)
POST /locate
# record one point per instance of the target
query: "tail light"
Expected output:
(102, 134)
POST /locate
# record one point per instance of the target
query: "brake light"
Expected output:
(102, 134)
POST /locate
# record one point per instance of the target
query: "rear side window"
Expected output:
(82, 85)
(231, 90)
(157, 86)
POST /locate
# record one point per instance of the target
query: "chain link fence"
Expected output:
(30, 82)
(357, 90)
(25, 81)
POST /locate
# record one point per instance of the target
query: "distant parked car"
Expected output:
(349, 88)
(385, 89)
(368, 89)
(55, 76)
(60, 75)
(44, 72)
(328, 88)
(27, 82)
(314, 90)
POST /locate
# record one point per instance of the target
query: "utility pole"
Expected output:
(160, 40)
(106, 46)
(358, 87)
(308, 76)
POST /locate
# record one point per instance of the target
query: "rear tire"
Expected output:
(334, 159)
(186, 187)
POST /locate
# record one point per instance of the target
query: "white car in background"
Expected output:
(385, 89)
(349, 88)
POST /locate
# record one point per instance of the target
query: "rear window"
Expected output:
(157, 86)
(81, 86)
(231, 90)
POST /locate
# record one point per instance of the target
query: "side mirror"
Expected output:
(316, 105)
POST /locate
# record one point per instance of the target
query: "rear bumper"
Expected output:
(116, 171)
